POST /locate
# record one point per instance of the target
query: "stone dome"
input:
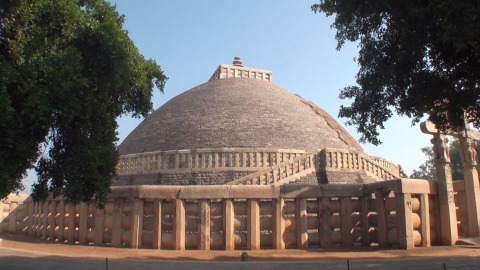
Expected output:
(238, 113)
(239, 128)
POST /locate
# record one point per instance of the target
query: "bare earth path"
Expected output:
(19, 252)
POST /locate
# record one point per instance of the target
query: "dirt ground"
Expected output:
(23, 242)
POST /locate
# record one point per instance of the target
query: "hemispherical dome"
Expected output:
(240, 113)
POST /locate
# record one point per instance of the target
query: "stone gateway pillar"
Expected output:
(472, 187)
(448, 215)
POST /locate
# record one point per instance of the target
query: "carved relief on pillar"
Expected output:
(468, 152)
(441, 148)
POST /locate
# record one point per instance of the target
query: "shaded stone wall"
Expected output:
(344, 177)
(180, 179)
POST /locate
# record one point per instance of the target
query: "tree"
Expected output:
(415, 57)
(456, 161)
(402, 172)
(427, 169)
(68, 70)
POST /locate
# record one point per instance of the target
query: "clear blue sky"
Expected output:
(189, 39)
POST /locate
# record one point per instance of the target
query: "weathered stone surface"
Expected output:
(299, 191)
(254, 192)
(177, 179)
(227, 113)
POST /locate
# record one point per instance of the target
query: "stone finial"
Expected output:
(237, 61)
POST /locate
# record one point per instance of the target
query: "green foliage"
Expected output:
(415, 57)
(402, 173)
(68, 70)
(456, 160)
(427, 169)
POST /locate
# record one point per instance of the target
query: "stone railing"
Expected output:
(461, 203)
(339, 159)
(230, 159)
(14, 213)
(406, 213)
(282, 173)
(228, 71)
(387, 164)
(399, 213)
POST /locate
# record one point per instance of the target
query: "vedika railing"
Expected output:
(398, 213)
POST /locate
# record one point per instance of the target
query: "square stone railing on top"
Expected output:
(268, 166)
(176, 161)
(399, 213)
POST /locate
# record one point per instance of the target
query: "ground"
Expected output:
(21, 252)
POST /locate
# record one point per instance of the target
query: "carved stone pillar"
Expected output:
(448, 214)
(472, 188)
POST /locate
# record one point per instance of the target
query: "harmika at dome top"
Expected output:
(240, 128)
(239, 113)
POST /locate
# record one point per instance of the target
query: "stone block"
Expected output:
(254, 192)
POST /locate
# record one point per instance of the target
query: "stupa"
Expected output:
(241, 128)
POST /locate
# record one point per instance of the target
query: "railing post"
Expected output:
(209, 160)
(99, 227)
(404, 221)
(36, 223)
(117, 222)
(71, 224)
(253, 226)
(425, 220)
(279, 224)
(12, 217)
(365, 222)
(31, 214)
(44, 219)
(52, 209)
(157, 224)
(204, 225)
(38, 219)
(381, 220)
(61, 221)
(179, 224)
(215, 161)
(229, 218)
(325, 229)
(301, 218)
(346, 216)
(82, 230)
(137, 223)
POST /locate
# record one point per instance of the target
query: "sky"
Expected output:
(190, 39)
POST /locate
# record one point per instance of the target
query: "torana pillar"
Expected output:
(448, 215)
(472, 187)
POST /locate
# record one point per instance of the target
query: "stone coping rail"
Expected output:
(340, 159)
(278, 173)
(219, 159)
(401, 213)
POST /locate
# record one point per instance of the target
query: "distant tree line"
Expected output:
(426, 170)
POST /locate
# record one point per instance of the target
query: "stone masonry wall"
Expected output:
(192, 178)
(343, 177)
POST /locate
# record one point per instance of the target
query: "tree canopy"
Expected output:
(68, 69)
(426, 170)
(415, 57)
